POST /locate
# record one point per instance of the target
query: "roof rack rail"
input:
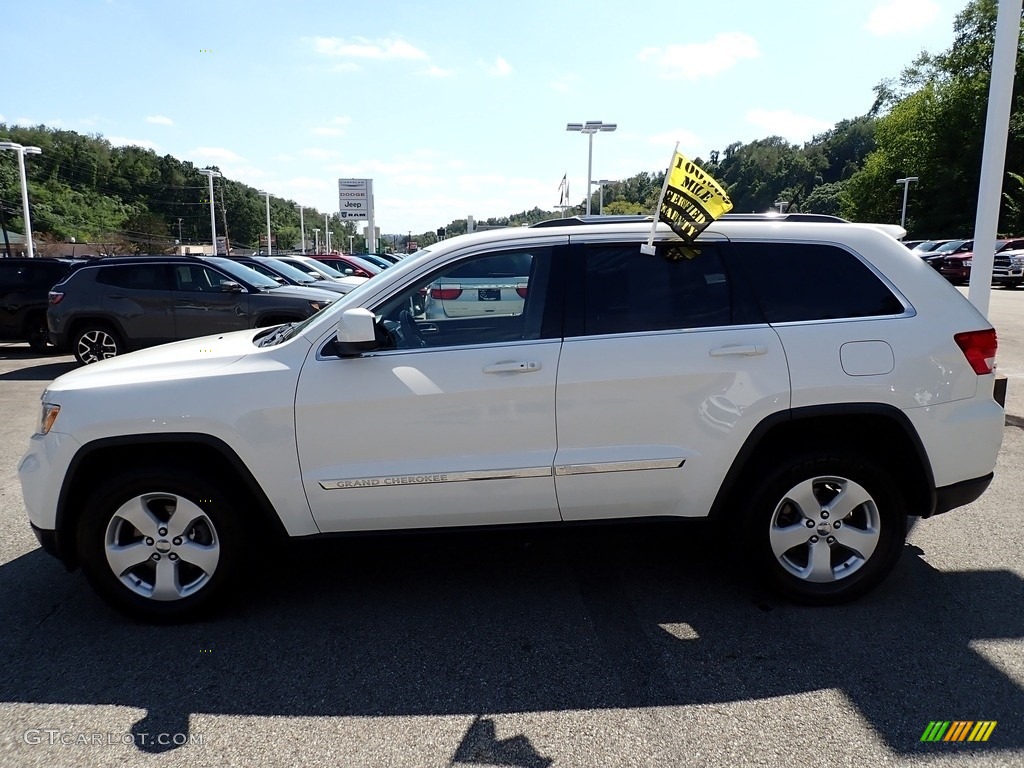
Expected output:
(575, 221)
(771, 216)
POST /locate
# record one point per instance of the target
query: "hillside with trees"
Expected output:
(926, 122)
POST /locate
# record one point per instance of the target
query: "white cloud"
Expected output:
(361, 48)
(564, 83)
(435, 71)
(688, 142)
(121, 141)
(346, 66)
(326, 130)
(159, 120)
(500, 68)
(3, 119)
(697, 60)
(218, 154)
(315, 153)
(897, 17)
(789, 125)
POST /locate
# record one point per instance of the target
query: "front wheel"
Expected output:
(826, 530)
(37, 334)
(160, 544)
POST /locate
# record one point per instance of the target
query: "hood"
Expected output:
(177, 360)
(308, 293)
(340, 289)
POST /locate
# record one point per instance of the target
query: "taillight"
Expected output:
(521, 290)
(445, 294)
(979, 347)
(54, 297)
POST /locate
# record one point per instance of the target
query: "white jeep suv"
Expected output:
(808, 381)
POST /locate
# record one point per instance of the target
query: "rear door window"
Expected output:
(797, 282)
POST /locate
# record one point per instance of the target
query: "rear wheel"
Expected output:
(160, 543)
(825, 530)
(93, 343)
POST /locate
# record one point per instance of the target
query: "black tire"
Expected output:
(875, 528)
(93, 342)
(212, 535)
(37, 334)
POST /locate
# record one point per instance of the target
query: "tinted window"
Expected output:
(139, 277)
(486, 299)
(626, 291)
(808, 281)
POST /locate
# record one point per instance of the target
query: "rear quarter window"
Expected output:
(796, 282)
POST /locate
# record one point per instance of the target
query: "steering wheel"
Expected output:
(410, 332)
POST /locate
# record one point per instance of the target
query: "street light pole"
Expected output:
(590, 128)
(601, 184)
(302, 229)
(270, 249)
(782, 205)
(316, 236)
(906, 185)
(327, 234)
(351, 241)
(213, 218)
(22, 151)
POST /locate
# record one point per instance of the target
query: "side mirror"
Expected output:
(230, 286)
(356, 333)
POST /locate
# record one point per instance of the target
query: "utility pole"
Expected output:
(224, 217)
(179, 229)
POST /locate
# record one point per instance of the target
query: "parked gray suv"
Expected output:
(120, 304)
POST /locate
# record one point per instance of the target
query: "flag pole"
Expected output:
(648, 247)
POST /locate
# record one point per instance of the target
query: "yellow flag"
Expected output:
(692, 199)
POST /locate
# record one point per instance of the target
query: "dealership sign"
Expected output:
(355, 199)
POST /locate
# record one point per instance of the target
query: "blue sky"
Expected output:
(451, 107)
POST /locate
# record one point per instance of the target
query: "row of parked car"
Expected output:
(953, 259)
(98, 308)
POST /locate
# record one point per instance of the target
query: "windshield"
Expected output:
(952, 245)
(289, 271)
(244, 273)
(315, 266)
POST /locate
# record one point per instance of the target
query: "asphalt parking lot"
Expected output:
(632, 646)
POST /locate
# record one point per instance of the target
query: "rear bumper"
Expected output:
(957, 495)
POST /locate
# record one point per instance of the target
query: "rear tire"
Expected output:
(161, 544)
(94, 342)
(824, 530)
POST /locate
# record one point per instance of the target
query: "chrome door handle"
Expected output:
(514, 366)
(749, 350)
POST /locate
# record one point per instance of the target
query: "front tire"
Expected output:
(37, 334)
(825, 530)
(160, 544)
(93, 343)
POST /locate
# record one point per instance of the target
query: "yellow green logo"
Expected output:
(958, 730)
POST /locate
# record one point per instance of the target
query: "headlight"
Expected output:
(318, 305)
(967, 262)
(1017, 261)
(48, 417)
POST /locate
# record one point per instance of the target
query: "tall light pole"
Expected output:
(327, 234)
(270, 249)
(302, 229)
(590, 128)
(906, 185)
(351, 240)
(22, 151)
(213, 219)
(316, 235)
(601, 184)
